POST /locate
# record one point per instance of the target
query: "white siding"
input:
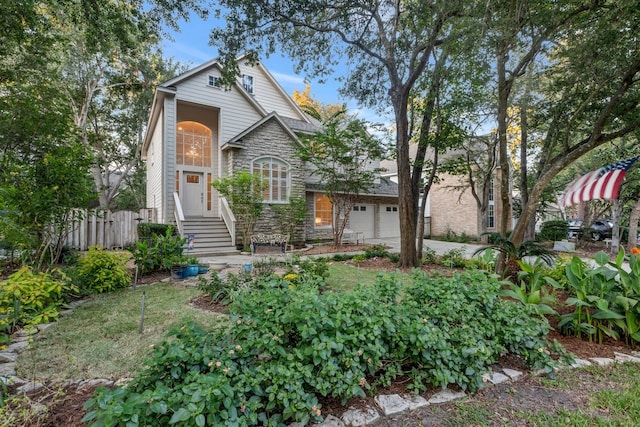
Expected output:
(170, 159)
(270, 97)
(236, 113)
(154, 169)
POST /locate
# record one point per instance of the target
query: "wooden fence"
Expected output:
(106, 229)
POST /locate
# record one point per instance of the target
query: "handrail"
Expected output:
(229, 219)
(178, 213)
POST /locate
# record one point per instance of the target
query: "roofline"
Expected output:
(314, 190)
(272, 115)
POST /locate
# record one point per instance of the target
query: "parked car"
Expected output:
(600, 229)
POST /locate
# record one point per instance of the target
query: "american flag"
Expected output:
(603, 183)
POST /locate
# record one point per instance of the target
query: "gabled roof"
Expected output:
(236, 141)
(169, 88)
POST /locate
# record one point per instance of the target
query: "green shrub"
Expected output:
(606, 298)
(429, 256)
(225, 290)
(376, 251)
(28, 298)
(147, 230)
(394, 257)
(287, 345)
(453, 258)
(103, 271)
(160, 252)
(554, 230)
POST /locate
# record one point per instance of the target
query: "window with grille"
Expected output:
(323, 211)
(276, 174)
(193, 144)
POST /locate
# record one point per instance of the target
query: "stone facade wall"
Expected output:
(271, 140)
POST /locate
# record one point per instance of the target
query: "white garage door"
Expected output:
(361, 219)
(389, 221)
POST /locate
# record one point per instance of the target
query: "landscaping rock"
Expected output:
(17, 381)
(360, 417)
(30, 387)
(44, 326)
(445, 396)
(512, 373)
(17, 347)
(495, 377)
(621, 357)
(331, 421)
(26, 332)
(415, 402)
(579, 363)
(8, 369)
(7, 356)
(602, 361)
(391, 403)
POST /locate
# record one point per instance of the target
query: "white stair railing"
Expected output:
(229, 219)
(178, 213)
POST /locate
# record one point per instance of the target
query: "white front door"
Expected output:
(193, 194)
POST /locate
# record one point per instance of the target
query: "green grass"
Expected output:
(344, 277)
(101, 338)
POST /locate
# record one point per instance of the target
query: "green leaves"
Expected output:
(285, 346)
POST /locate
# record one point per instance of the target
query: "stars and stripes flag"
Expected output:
(603, 183)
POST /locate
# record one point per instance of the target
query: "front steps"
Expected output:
(210, 237)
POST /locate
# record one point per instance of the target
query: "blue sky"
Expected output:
(190, 46)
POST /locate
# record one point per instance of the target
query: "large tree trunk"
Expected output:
(504, 88)
(406, 199)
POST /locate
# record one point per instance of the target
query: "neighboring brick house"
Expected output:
(454, 209)
(199, 131)
(451, 207)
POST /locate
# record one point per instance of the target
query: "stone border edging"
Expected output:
(392, 404)
(389, 404)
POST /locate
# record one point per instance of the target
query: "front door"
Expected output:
(193, 194)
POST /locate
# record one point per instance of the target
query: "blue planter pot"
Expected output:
(192, 270)
(179, 272)
(202, 269)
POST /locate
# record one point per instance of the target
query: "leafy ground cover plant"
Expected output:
(287, 345)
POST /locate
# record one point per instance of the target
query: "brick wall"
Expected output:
(453, 210)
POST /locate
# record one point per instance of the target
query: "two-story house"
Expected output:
(199, 131)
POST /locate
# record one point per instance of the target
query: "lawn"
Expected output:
(101, 338)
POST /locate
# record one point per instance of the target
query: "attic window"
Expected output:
(214, 81)
(247, 83)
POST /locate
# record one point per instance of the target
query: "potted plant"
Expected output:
(202, 268)
(179, 267)
(192, 266)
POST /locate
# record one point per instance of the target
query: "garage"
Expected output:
(362, 219)
(389, 221)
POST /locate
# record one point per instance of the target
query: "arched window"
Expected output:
(193, 144)
(276, 173)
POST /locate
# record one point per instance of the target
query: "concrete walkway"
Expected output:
(392, 242)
